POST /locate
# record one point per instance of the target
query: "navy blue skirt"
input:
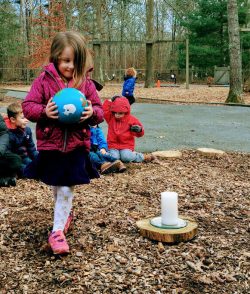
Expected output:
(62, 169)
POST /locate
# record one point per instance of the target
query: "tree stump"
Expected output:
(168, 154)
(210, 152)
(168, 235)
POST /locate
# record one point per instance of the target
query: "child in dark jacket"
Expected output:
(10, 163)
(122, 130)
(129, 85)
(21, 141)
(99, 155)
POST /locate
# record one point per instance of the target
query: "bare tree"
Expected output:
(97, 46)
(236, 87)
(149, 83)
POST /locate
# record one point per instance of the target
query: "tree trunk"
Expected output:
(236, 87)
(98, 50)
(149, 81)
(40, 16)
(247, 82)
(122, 57)
(23, 10)
(247, 7)
(67, 12)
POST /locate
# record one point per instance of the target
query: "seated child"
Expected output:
(10, 163)
(129, 85)
(99, 156)
(21, 141)
(122, 130)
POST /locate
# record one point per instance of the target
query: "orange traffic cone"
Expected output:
(158, 84)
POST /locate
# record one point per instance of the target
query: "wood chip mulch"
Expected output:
(108, 255)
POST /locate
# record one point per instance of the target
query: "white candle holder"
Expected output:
(157, 222)
(168, 227)
(169, 213)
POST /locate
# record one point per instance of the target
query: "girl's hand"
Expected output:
(88, 112)
(51, 110)
(103, 151)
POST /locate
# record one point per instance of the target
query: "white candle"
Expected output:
(169, 208)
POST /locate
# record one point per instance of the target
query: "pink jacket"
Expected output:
(119, 134)
(51, 134)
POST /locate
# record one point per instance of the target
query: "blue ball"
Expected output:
(70, 105)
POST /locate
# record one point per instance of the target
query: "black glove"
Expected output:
(136, 128)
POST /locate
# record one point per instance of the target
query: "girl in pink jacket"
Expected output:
(63, 159)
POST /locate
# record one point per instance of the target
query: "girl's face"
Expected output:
(66, 63)
(119, 114)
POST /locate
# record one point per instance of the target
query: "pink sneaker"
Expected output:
(58, 242)
(68, 223)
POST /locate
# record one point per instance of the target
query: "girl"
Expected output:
(63, 159)
(129, 85)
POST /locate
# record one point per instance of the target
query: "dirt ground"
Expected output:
(108, 255)
(196, 93)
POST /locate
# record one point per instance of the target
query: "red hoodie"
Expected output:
(119, 134)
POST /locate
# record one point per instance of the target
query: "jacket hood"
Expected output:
(8, 124)
(120, 104)
(51, 68)
(129, 77)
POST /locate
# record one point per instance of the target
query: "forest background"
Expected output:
(27, 27)
(108, 254)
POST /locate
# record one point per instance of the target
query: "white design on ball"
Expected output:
(69, 109)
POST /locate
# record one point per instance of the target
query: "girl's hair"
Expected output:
(131, 72)
(82, 58)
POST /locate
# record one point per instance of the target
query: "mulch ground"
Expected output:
(108, 254)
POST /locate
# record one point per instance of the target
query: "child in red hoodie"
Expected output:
(122, 130)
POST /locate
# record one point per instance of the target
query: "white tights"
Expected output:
(63, 196)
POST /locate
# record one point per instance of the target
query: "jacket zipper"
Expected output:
(65, 139)
(53, 78)
(65, 135)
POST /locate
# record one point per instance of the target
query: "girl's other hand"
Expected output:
(88, 112)
(51, 109)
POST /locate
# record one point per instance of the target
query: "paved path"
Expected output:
(193, 126)
(169, 126)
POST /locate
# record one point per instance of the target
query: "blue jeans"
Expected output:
(127, 155)
(97, 158)
(25, 162)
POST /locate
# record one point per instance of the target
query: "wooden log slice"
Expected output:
(168, 153)
(168, 235)
(211, 152)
